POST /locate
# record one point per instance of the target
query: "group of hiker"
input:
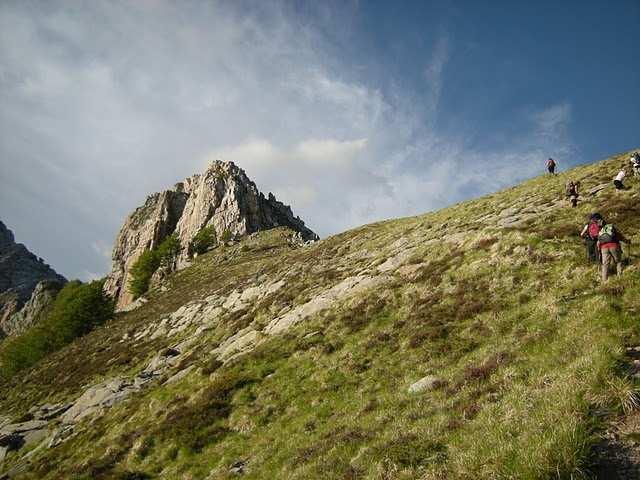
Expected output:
(603, 240)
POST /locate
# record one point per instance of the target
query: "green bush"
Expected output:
(226, 235)
(145, 266)
(168, 250)
(203, 240)
(77, 309)
(141, 272)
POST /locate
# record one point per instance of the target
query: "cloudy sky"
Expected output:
(349, 111)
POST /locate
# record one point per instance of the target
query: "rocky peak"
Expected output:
(20, 272)
(222, 197)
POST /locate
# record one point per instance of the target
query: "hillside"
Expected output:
(474, 342)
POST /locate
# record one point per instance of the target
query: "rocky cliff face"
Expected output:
(223, 197)
(35, 309)
(20, 273)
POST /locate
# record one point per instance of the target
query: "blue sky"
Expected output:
(350, 111)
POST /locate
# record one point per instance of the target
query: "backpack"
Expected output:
(607, 234)
(593, 230)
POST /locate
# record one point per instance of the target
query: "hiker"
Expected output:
(551, 166)
(572, 193)
(635, 164)
(609, 239)
(590, 235)
(617, 182)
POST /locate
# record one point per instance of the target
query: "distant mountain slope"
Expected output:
(222, 198)
(474, 342)
(20, 272)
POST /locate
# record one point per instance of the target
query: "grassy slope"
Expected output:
(514, 322)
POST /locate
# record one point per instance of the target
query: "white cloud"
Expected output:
(105, 102)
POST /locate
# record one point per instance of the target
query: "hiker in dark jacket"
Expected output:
(572, 193)
(551, 166)
(590, 235)
(609, 239)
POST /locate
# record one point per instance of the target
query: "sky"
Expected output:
(349, 111)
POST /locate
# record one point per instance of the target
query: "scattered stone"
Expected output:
(238, 467)
(430, 382)
(396, 261)
(242, 342)
(48, 411)
(346, 288)
(98, 397)
(180, 375)
(597, 189)
(133, 305)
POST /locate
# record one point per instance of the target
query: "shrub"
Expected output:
(203, 240)
(141, 272)
(168, 250)
(145, 266)
(77, 309)
(226, 235)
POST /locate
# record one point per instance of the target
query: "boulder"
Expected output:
(97, 397)
(430, 382)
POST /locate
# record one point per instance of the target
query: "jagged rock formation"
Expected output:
(35, 309)
(20, 275)
(223, 197)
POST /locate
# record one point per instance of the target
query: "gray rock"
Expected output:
(35, 309)
(222, 197)
(49, 411)
(180, 375)
(23, 427)
(20, 273)
(430, 382)
(98, 397)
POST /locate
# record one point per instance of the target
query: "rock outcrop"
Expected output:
(223, 198)
(35, 309)
(21, 273)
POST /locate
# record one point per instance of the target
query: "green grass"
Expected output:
(513, 321)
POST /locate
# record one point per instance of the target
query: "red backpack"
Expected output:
(594, 230)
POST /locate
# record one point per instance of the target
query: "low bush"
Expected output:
(77, 309)
(145, 266)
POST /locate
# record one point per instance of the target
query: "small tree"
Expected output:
(77, 309)
(203, 240)
(150, 260)
(141, 272)
(168, 250)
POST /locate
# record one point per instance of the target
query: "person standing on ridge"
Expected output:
(551, 166)
(609, 239)
(590, 235)
(617, 182)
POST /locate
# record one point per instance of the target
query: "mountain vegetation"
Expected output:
(475, 342)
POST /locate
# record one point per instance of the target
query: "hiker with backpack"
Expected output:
(609, 239)
(617, 181)
(572, 193)
(590, 235)
(635, 164)
(551, 166)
